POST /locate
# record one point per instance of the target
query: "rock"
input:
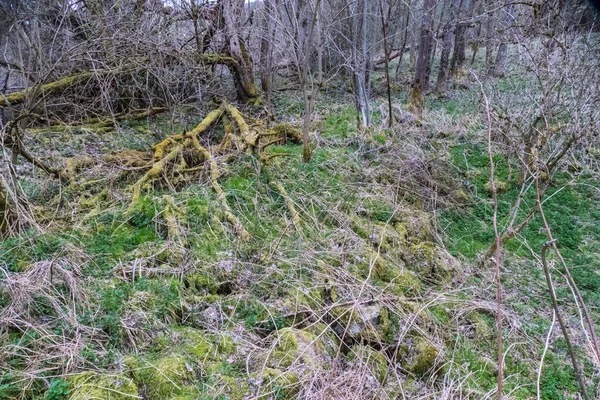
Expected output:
(164, 378)
(92, 385)
(366, 357)
(431, 262)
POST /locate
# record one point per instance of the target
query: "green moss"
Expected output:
(162, 378)
(363, 356)
(481, 325)
(201, 282)
(91, 385)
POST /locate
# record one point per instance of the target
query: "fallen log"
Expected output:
(15, 98)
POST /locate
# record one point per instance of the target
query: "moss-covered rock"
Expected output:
(163, 378)
(480, 326)
(422, 357)
(431, 262)
(361, 356)
(92, 385)
(296, 347)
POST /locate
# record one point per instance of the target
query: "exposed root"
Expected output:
(182, 153)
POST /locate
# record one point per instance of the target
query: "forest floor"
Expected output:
(359, 278)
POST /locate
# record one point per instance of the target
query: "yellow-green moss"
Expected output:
(163, 378)
(417, 225)
(91, 385)
(231, 388)
(365, 357)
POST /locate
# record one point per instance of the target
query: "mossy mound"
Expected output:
(366, 357)
(163, 378)
(92, 385)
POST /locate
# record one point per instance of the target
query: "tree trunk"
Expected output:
(442, 78)
(458, 56)
(489, 26)
(6, 214)
(386, 55)
(421, 78)
(242, 70)
(309, 98)
(421, 81)
(266, 39)
(499, 68)
(404, 41)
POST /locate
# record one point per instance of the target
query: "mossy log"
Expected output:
(15, 98)
(98, 124)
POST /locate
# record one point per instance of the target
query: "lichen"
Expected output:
(361, 356)
(92, 385)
